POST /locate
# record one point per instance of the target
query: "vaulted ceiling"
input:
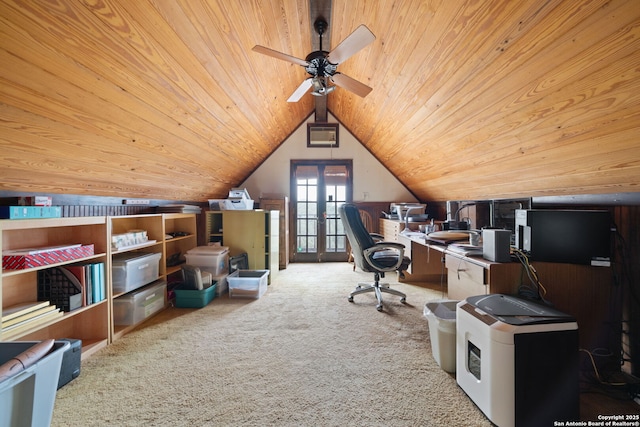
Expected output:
(165, 98)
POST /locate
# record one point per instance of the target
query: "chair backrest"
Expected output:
(359, 237)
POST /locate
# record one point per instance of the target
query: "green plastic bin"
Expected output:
(191, 298)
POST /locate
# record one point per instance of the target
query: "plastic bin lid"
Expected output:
(517, 311)
(132, 256)
(208, 250)
(441, 309)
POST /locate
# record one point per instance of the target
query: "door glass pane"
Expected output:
(335, 191)
(307, 209)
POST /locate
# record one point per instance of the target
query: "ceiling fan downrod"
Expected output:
(319, 67)
(320, 25)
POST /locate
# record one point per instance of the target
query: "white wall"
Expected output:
(372, 182)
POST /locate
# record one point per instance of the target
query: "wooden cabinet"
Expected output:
(281, 205)
(169, 234)
(254, 232)
(390, 229)
(90, 323)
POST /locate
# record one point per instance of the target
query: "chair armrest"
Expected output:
(384, 246)
(377, 237)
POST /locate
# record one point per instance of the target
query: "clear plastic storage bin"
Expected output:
(441, 315)
(248, 283)
(212, 259)
(133, 270)
(27, 398)
(135, 307)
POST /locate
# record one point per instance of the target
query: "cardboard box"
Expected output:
(29, 212)
(35, 201)
(38, 257)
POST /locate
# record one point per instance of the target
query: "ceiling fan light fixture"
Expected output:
(322, 66)
(318, 84)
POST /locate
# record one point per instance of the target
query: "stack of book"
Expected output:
(23, 317)
(174, 208)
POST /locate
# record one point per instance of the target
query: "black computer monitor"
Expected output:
(565, 236)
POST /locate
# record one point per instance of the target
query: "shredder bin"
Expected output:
(441, 315)
(27, 398)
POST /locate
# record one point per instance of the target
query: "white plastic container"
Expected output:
(248, 283)
(212, 259)
(135, 307)
(441, 315)
(27, 398)
(133, 270)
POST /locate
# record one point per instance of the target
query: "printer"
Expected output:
(401, 210)
(517, 360)
(238, 199)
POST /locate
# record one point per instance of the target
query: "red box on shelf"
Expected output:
(31, 260)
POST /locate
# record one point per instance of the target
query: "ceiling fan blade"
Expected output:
(351, 85)
(357, 40)
(279, 55)
(302, 89)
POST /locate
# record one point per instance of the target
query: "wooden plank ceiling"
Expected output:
(471, 98)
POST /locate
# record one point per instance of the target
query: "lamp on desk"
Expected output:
(456, 224)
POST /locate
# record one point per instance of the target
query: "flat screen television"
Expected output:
(565, 236)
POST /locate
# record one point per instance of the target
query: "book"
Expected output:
(78, 272)
(103, 285)
(28, 315)
(95, 282)
(26, 325)
(465, 249)
(22, 309)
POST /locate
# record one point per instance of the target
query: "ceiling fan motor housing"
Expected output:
(318, 64)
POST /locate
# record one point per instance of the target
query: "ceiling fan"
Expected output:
(322, 65)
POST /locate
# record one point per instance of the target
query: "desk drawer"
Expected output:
(466, 269)
(464, 278)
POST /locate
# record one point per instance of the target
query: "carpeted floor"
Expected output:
(301, 355)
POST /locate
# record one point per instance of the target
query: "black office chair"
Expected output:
(376, 257)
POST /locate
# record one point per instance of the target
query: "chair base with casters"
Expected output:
(378, 288)
(372, 255)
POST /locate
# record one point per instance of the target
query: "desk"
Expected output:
(466, 275)
(585, 292)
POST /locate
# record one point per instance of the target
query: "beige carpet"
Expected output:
(301, 355)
